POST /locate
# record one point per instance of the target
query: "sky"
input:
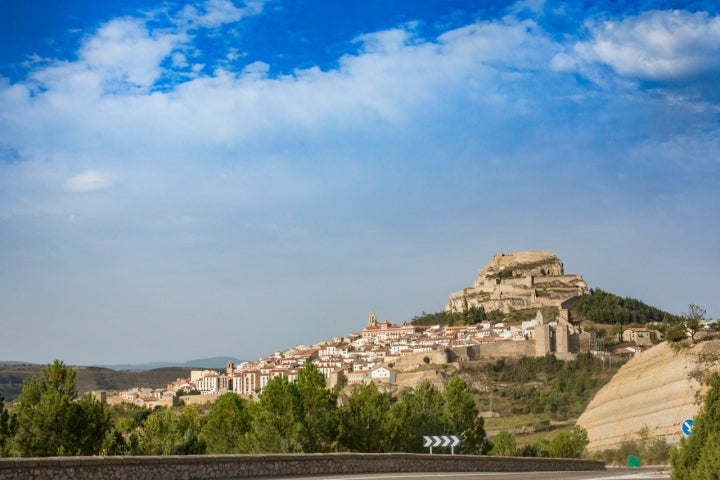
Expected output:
(182, 180)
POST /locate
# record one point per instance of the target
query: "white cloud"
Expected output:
(90, 181)
(214, 13)
(656, 45)
(179, 60)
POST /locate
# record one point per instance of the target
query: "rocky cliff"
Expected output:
(519, 280)
(655, 390)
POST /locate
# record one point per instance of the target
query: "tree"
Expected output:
(226, 426)
(463, 417)
(362, 419)
(50, 420)
(697, 458)
(168, 431)
(6, 427)
(694, 319)
(417, 413)
(320, 409)
(568, 444)
(675, 331)
(278, 424)
(504, 444)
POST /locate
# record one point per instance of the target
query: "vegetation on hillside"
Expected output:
(559, 390)
(698, 458)
(598, 306)
(470, 316)
(607, 308)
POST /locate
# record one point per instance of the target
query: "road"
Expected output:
(610, 474)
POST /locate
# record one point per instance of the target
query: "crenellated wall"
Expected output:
(208, 467)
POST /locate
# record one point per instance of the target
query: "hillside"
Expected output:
(654, 392)
(90, 378)
(607, 308)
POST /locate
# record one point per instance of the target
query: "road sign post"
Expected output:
(451, 441)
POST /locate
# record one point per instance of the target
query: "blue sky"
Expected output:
(181, 180)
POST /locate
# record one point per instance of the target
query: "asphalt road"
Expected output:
(609, 474)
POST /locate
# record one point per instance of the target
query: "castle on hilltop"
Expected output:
(520, 280)
(527, 280)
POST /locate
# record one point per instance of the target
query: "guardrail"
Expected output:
(205, 467)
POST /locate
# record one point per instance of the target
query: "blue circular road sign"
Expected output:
(686, 426)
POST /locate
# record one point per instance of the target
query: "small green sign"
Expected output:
(633, 461)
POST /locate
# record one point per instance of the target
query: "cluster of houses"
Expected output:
(363, 357)
(366, 356)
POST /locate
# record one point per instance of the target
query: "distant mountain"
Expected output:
(214, 363)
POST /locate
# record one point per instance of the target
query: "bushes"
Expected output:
(698, 458)
(564, 444)
(654, 451)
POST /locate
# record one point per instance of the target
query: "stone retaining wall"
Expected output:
(205, 467)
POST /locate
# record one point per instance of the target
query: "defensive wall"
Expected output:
(504, 348)
(205, 467)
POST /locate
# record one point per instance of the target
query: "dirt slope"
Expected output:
(656, 390)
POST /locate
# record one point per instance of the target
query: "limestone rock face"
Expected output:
(519, 280)
(656, 390)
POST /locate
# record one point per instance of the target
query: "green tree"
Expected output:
(697, 458)
(320, 409)
(278, 425)
(91, 426)
(226, 426)
(51, 421)
(362, 419)
(127, 420)
(694, 320)
(415, 414)
(569, 443)
(171, 431)
(158, 432)
(6, 428)
(463, 417)
(504, 444)
(675, 331)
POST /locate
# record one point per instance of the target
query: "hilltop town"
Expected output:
(383, 352)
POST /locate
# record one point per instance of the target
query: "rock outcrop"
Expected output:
(655, 391)
(520, 280)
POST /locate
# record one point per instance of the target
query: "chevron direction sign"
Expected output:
(441, 441)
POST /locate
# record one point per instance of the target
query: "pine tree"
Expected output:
(320, 409)
(52, 421)
(227, 424)
(463, 417)
(362, 419)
